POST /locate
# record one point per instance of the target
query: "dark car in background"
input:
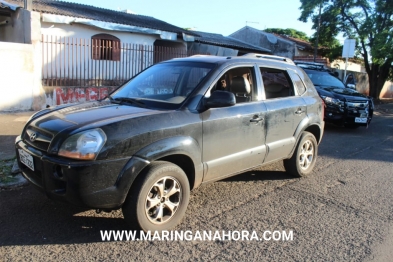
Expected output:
(344, 105)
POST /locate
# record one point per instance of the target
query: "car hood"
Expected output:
(340, 93)
(86, 115)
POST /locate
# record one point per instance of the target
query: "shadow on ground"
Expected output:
(29, 218)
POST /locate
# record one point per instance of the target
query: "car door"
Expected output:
(284, 111)
(234, 137)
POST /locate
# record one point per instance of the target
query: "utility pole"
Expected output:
(28, 5)
(319, 26)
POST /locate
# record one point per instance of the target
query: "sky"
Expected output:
(215, 16)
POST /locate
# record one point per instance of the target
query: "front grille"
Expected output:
(37, 138)
(357, 104)
(358, 108)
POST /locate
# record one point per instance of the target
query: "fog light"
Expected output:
(58, 171)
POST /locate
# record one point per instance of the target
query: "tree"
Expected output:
(330, 48)
(288, 32)
(370, 22)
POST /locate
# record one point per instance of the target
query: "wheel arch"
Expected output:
(307, 124)
(182, 151)
(185, 163)
(316, 131)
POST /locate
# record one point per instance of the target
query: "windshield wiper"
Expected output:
(129, 100)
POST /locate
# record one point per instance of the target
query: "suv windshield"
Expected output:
(164, 85)
(323, 78)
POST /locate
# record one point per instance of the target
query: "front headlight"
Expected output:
(84, 145)
(333, 101)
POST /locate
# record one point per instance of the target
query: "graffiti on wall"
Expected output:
(66, 95)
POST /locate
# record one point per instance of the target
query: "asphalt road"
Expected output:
(341, 212)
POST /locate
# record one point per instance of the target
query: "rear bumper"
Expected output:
(93, 184)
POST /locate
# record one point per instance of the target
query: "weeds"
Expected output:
(5, 171)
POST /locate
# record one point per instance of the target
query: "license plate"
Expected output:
(26, 159)
(360, 119)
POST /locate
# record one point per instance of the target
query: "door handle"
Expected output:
(299, 111)
(256, 119)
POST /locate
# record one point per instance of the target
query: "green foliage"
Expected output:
(5, 171)
(288, 32)
(370, 22)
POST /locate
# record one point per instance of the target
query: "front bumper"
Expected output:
(347, 116)
(93, 184)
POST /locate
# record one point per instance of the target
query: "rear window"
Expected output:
(301, 89)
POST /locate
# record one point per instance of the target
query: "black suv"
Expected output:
(174, 126)
(344, 106)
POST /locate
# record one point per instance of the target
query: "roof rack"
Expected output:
(273, 57)
(198, 55)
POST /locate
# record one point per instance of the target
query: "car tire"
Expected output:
(303, 159)
(158, 198)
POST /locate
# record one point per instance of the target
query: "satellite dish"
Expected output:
(272, 39)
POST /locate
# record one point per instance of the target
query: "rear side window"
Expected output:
(298, 83)
(277, 83)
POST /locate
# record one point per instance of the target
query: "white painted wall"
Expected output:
(20, 71)
(387, 90)
(21, 64)
(61, 62)
(340, 64)
(18, 29)
(17, 76)
(84, 31)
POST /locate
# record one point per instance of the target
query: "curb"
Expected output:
(20, 182)
(14, 174)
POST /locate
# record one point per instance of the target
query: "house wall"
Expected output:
(351, 66)
(387, 90)
(84, 31)
(18, 29)
(299, 52)
(20, 71)
(69, 47)
(69, 58)
(17, 76)
(262, 39)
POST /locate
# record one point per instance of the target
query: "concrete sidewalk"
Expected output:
(11, 125)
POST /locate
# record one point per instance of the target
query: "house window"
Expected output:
(105, 47)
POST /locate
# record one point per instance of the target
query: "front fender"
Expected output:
(180, 145)
(183, 145)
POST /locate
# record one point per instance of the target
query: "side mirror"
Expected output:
(220, 99)
(351, 86)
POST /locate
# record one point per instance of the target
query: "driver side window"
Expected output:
(240, 81)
